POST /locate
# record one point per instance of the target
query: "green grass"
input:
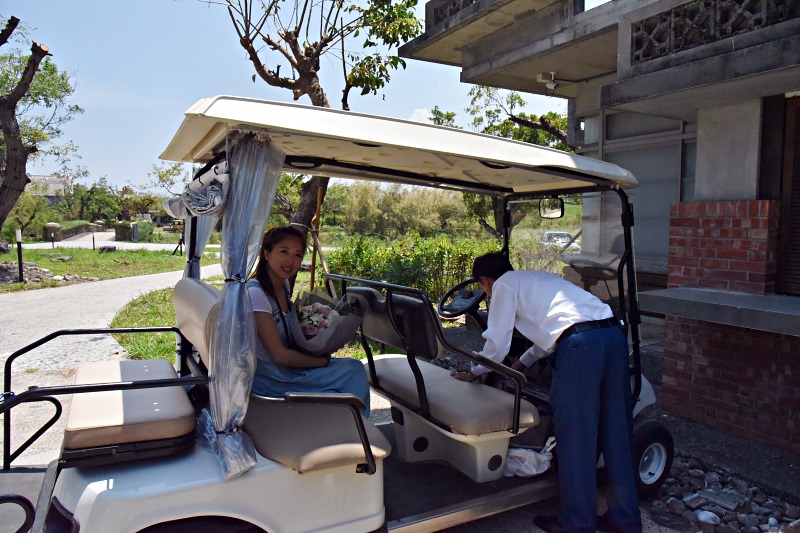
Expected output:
(151, 309)
(155, 309)
(92, 264)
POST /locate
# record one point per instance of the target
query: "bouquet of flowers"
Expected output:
(315, 318)
(321, 325)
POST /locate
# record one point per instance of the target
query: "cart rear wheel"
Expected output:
(653, 450)
(204, 524)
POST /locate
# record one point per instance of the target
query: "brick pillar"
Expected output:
(739, 380)
(728, 245)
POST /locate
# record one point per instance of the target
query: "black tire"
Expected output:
(653, 450)
(204, 524)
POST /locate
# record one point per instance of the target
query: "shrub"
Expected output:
(432, 264)
(145, 230)
(528, 253)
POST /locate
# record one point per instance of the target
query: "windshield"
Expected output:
(584, 246)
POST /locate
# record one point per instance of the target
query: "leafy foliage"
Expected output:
(170, 176)
(396, 210)
(431, 264)
(44, 109)
(33, 99)
(494, 112)
(30, 211)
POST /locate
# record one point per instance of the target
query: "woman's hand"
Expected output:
(469, 377)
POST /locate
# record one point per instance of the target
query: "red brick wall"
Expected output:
(729, 245)
(742, 381)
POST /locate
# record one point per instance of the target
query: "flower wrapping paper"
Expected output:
(317, 328)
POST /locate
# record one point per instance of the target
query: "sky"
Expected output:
(138, 65)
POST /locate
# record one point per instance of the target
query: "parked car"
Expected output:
(563, 240)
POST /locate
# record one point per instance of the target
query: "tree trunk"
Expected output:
(308, 201)
(499, 216)
(16, 159)
(16, 156)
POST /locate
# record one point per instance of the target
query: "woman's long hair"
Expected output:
(268, 242)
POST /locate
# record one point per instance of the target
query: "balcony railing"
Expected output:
(445, 10)
(701, 22)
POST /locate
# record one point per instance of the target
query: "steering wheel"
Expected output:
(459, 300)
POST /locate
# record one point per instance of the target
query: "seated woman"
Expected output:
(282, 368)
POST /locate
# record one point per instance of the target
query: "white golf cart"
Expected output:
(132, 459)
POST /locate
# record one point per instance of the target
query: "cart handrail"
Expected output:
(517, 378)
(8, 399)
(34, 394)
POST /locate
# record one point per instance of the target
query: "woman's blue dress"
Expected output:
(340, 375)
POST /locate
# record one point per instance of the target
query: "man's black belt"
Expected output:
(586, 326)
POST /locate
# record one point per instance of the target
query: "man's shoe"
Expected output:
(605, 524)
(550, 524)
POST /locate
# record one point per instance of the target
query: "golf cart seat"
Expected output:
(311, 437)
(123, 425)
(305, 432)
(435, 416)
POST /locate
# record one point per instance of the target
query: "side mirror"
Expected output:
(551, 208)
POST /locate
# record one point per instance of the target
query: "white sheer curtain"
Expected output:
(204, 228)
(255, 169)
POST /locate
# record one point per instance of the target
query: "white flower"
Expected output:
(315, 317)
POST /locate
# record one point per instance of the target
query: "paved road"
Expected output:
(30, 315)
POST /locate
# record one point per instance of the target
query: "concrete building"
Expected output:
(53, 188)
(700, 99)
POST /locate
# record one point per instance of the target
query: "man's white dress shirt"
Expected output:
(541, 306)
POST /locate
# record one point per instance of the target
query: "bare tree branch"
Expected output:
(543, 125)
(11, 25)
(38, 52)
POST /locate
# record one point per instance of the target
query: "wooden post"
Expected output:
(315, 229)
(19, 256)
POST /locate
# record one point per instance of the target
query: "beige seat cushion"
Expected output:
(118, 417)
(467, 408)
(310, 437)
(194, 302)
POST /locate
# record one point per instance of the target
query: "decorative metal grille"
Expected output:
(448, 9)
(701, 22)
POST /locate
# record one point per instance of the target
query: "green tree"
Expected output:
(30, 211)
(286, 43)
(362, 213)
(394, 211)
(494, 112)
(335, 204)
(170, 176)
(98, 201)
(443, 118)
(33, 108)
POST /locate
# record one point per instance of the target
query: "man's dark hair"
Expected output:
(491, 265)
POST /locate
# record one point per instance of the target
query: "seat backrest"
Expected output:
(416, 325)
(195, 303)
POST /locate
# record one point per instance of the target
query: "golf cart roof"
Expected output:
(328, 142)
